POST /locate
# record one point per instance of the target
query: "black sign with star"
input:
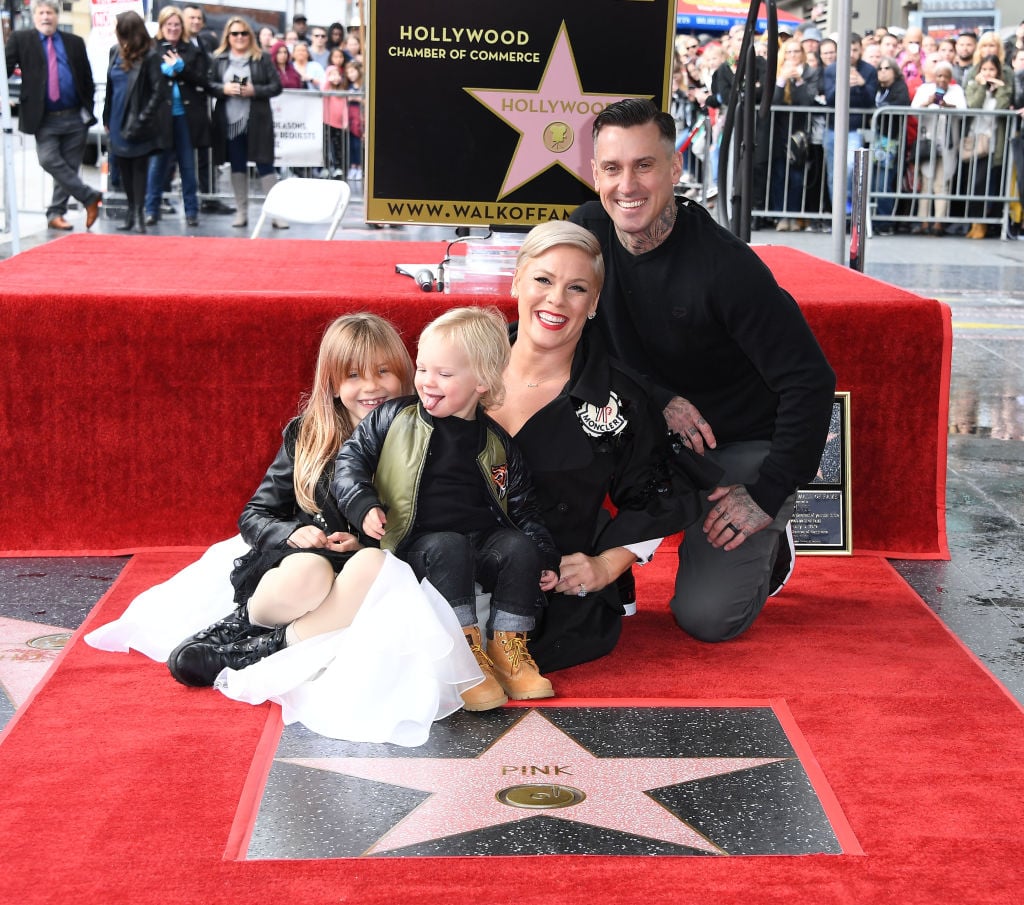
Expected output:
(480, 112)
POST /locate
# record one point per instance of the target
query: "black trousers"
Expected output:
(504, 561)
(134, 173)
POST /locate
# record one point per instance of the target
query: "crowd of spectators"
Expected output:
(328, 59)
(969, 156)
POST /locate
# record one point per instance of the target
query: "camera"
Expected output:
(166, 47)
(240, 79)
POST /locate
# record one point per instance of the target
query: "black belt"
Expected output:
(69, 112)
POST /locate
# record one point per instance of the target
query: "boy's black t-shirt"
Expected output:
(452, 494)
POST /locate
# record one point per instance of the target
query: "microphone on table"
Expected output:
(425, 280)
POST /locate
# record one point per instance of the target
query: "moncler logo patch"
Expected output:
(602, 420)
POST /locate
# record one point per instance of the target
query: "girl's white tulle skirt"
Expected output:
(400, 665)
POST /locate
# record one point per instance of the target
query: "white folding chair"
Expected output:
(306, 201)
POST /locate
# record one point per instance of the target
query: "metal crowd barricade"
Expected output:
(924, 172)
(919, 169)
(34, 186)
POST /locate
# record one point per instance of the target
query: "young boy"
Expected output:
(441, 485)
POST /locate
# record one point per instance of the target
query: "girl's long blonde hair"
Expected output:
(352, 343)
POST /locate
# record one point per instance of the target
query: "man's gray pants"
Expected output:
(719, 594)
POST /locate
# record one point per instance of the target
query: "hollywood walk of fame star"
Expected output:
(533, 752)
(553, 122)
(27, 649)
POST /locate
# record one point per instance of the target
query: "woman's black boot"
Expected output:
(199, 663)
(129, 221)
(140, 219)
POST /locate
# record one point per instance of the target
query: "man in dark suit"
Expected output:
(56, 107)
(206, 43)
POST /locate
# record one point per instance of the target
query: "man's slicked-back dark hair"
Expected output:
(636, 111)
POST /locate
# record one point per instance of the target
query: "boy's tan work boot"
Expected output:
(488, 694)
(515, 669)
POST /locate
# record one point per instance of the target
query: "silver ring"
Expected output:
(582, 592)
(735, 530)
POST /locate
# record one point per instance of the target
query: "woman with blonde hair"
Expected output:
(589, 432)
(795, 86)
(243, 79)
(989, 45)
(182, 67)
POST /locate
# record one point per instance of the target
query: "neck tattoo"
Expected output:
(639, 243)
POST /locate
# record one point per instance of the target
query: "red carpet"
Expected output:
(121, 786)
(156, 370)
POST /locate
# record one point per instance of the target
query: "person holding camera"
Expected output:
(935, 153)
(136, 112)
(182, 67)
(982, 150)
(243, 79)
(796, 85)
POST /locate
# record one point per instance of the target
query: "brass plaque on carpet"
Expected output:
(555, 780)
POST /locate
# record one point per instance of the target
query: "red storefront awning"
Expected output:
(721, 15)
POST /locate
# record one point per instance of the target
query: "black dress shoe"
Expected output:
(152, 220)
(199, 663)
(191, 221)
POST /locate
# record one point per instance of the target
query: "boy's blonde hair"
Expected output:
(482, 334)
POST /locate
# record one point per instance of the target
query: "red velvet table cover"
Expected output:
(147, 379)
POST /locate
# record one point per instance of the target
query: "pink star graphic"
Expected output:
(553, 122)
(22, 665)
(464, 790)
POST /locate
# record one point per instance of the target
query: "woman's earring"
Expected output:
(592, 315)
(514, 292)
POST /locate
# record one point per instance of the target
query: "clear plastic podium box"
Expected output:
(487, 266)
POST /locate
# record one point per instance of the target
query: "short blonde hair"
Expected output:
(482, 335)
(555, 233)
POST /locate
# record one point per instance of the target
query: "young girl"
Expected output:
(457, 496)
(305, 577)
(354, 74)
(336, 114)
